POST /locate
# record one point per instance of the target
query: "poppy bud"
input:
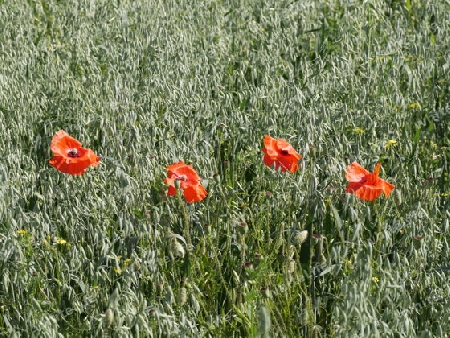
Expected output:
(300, 237)
(182, 296)
(123, 179)
(159, 288)
(243, 228)
(169, 297)
(258, 258)
(263, 322)
(177, 249)
(291, 265)
(266, 292)
(108, 319)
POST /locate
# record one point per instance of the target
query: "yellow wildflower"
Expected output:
(390, 143)
(358, 130)
(375, 279)
(21, 232)
(445, 194)
(347, 262)
(61, 241)
(414, 105)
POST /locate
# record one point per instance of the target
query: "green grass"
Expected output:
(147, 83)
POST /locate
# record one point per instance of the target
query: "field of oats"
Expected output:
(146, 84)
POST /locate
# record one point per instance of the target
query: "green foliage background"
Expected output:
(147, 83)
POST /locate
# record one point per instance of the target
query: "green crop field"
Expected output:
(147, 83)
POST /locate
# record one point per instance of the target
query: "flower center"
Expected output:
(73, 152)
(284, 152)
(181, 178)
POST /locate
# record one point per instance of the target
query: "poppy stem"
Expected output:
(225, 286)
(186, 223)
(379, 221)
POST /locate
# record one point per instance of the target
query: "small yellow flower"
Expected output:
(347, 263)
(126, 262)
(414, 105)
(358, 130)
(21, 232)
(433, 145)
(61, 241)
(375, 279)
(390, 143)
(117, 270)
(445, 194)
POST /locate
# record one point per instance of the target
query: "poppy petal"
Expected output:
(288, 162)
(268, 160)
(171, 186)
(171, 191)
(185, 171)
(270, 147)
(353, 186)
(94, 160)
(355, 172)
(194, 193)
(368, 192)
(62, 142)
(174, 167)
(285, 148)
(270, 153)
(387, 188)
(75, 166)
(376, 171)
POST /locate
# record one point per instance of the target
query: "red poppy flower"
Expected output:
(365, 185)
(280, 153)
(68, 155)
(193, 190)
